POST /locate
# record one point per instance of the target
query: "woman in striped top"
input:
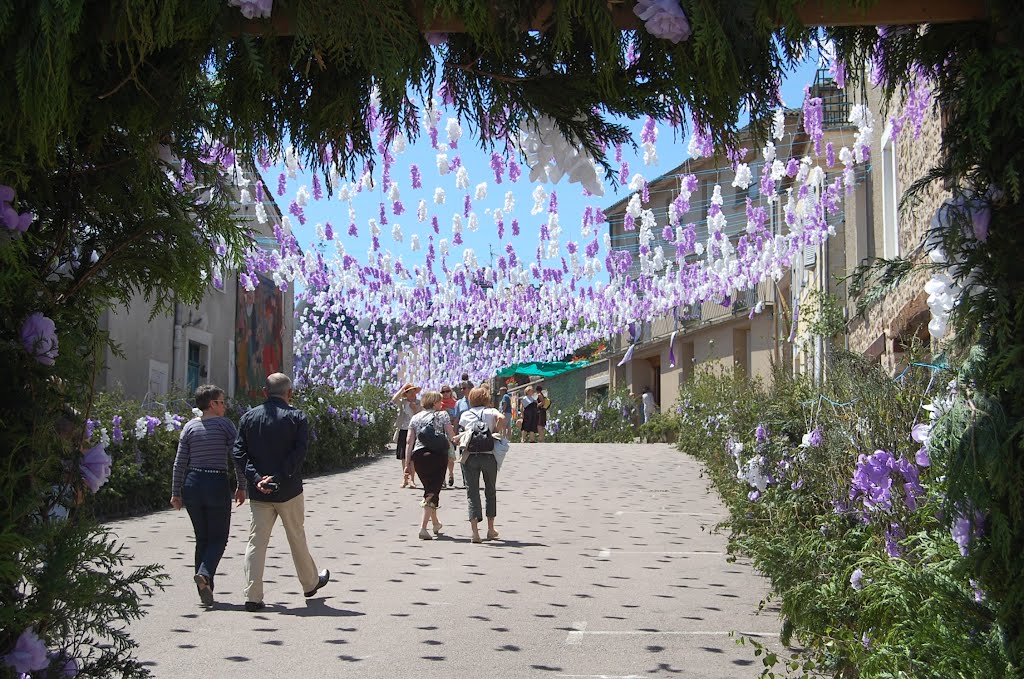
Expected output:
(202, 480)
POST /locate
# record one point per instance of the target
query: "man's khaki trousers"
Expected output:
(264, 516)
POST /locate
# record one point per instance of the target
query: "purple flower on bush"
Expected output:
(965, 529)
(95, 467)
(151, 424)
(893, 534)
(754, 495)
(39, 337)
(664, 19)
(117, 434)
(872, 480)
(28, 654)
(331, 410)
(90, 427)
(761, 433)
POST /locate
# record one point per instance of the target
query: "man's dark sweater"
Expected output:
(272, 441)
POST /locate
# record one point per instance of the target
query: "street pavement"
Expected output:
(606, 566)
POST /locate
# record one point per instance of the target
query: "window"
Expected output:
(890, 197)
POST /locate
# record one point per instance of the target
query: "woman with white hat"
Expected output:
(405, 399)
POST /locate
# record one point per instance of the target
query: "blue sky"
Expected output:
(671, 146)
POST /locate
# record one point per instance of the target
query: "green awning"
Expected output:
(541, 369)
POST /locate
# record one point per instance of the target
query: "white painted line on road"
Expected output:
(649, 511)
(606, 553)
(670, 633)
(576, 635)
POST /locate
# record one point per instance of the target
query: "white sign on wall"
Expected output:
(158, 373)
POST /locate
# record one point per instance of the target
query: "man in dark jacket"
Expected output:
(270, 447)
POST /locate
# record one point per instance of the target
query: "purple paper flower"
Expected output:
(761, 433)
(253, 9)
(39, 337)
(117, 435)
(29, 653)
(664, 19)
(435, 38)
(965, 529)
(95, 467)
(857, 580)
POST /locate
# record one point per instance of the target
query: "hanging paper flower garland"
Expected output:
(377, 320)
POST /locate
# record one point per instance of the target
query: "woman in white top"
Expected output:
(430, 463)
(405, 399)
(650, 407)
(480, 409)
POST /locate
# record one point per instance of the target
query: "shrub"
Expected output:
(344, 427)
(660, 428)
(608, 420)
(843, 511)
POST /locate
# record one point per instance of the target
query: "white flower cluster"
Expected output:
(549, 155)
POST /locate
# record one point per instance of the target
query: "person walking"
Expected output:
(484, 464)
(201, 481)
(649, 406)
(543, 403)
(529, 416)
(270, 447)
(505, 408)
(448, 404)
(429, 440)
(405, 399)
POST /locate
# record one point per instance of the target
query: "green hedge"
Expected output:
(866, 589)
(344, 428)
(608, 420)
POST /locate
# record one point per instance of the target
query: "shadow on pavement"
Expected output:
(317, 607)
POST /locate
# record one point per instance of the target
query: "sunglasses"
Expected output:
(446, 391)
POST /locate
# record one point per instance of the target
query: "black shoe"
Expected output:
(253, 606)
(205, 593)
(451, 481)
(325, 577)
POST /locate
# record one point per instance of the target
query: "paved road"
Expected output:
(605, 568)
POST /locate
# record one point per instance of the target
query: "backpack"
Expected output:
(433, 437)
(480, 439)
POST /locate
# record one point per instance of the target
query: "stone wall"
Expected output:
(883, 328)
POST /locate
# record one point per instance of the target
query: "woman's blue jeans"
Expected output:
(476, 465)
(207, 497)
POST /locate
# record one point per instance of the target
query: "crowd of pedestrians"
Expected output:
(261, 461)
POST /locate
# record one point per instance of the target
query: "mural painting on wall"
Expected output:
(259, 327)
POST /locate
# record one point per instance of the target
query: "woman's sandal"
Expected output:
(492, 535)
(476, 539)
(437, 528)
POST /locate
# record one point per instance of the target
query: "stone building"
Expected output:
(886, 330)
(232, 338)
(870, 226)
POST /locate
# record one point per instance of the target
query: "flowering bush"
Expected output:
(839, 498)
(343, 428)
(608, 420)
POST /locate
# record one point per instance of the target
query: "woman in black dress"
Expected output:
(530, 416)
(543, 403)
